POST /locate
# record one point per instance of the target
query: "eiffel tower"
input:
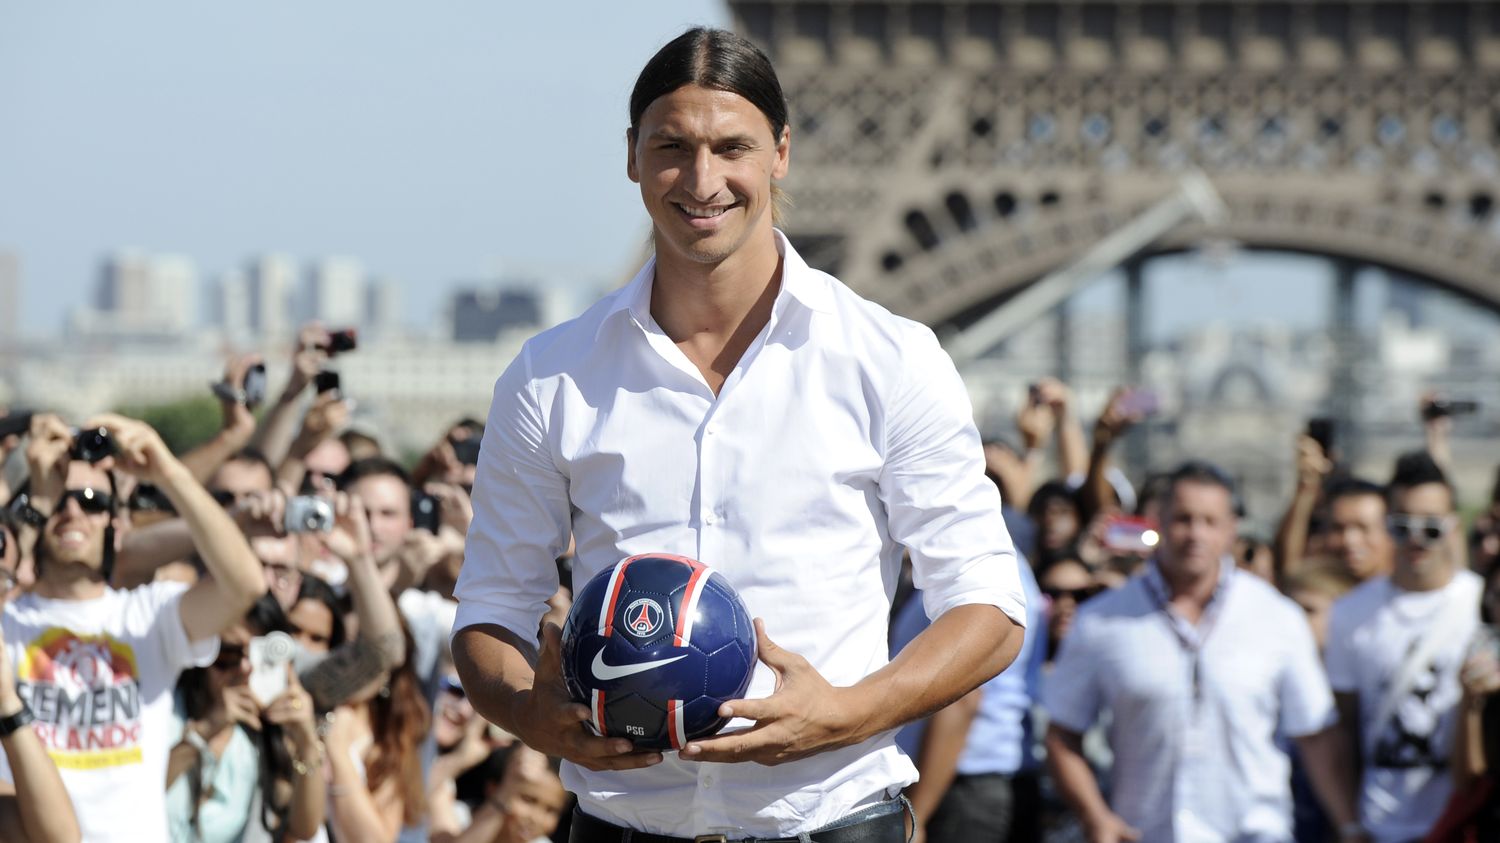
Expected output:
(946, 155)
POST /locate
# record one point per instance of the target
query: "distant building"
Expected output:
(140, 296)
(336, 292)
(272, 279)
(232, 310)
(482, 315)
(383, 308)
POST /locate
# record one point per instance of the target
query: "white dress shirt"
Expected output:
(843, 435)
(1192, 767)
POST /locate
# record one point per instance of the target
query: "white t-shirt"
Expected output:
(1405, 781)
(98, 676)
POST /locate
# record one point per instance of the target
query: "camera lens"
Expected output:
(92, 445)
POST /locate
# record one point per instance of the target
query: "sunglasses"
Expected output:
(229, 658)
(223, 497)
(1417, 529)
(1078, 595)
(91, 501)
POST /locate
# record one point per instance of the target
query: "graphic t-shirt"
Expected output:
(1405, 781)
(98, 676)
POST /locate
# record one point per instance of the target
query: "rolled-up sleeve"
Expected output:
(521, 514)
(939, 503)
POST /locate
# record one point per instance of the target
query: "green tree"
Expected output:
(183, 424)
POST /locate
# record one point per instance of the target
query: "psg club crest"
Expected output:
(643, 617)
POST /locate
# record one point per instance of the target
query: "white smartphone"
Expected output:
(269, 656)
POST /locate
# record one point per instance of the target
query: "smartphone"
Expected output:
(326, 382)
(341, 341)
(426, 512)
(254, 386)
(1320, 430)
(269, 656)
(1126, 534)
(16, 423)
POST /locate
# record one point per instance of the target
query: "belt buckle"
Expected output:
(711, 838)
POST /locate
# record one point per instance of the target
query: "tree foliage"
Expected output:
(183, 424)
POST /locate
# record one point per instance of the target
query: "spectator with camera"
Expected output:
(1396, 645)
(1179, 658)
(97, 666)
(246, 767)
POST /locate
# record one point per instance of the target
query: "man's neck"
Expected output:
(69, 581)
(690, 299)
(1433, 578)
(713, 312)
(1189, 593)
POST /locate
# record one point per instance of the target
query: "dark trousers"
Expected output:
(989, 808)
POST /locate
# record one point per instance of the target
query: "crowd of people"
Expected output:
(1336, 684)
(250, 641)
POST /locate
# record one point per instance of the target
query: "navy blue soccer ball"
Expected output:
(653, 646)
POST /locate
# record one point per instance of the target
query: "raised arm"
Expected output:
(275, 434)
(39, 811)
(325, 418)
(235, 578)
(1291, 536)
(380, 644)
(237, 428)
(1097, 495)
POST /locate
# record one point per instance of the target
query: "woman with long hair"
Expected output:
(375, 757)
(242, 770)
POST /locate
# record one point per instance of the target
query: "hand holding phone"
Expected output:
(269, 656)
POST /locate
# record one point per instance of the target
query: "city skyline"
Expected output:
(436, 146)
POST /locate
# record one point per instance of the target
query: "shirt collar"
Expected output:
(1157, 584)
(798, 281)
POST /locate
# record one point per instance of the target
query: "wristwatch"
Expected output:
(9, 725)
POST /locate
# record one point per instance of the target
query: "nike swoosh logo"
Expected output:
(606, 672)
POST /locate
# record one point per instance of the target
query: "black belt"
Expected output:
(867, 824)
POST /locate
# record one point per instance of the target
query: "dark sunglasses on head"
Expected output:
(91, 501)
(1420, 529)
(1078, 594)
(229, 658)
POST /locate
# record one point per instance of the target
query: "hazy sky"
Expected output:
(435, 142)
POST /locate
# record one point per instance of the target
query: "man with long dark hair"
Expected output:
(734, 405)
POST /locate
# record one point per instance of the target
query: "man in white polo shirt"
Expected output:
(1201, 666)
(734, 405)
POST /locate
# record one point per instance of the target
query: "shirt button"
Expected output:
(709, 518)
(711, 431)
(708, 781)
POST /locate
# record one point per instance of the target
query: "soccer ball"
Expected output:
(653, 646)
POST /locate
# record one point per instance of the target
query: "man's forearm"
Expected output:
(220, 544)
(1074, 776)
(147, 548)
(205, 459)
(1325, 755)
(274, 436)
(496, 666)
(1291, 535)
(45, 811)
(961, 650)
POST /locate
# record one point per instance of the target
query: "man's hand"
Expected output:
(237, 418)
(1312, 464)
(351, 529)
(307, 358)
(804, 716)
(548, 720)
(1116, 418)
(261, 513)
(47, 457)
(1035, 421)
(1109, 828)
(455, 508)
(139, 451)
(328, 415)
